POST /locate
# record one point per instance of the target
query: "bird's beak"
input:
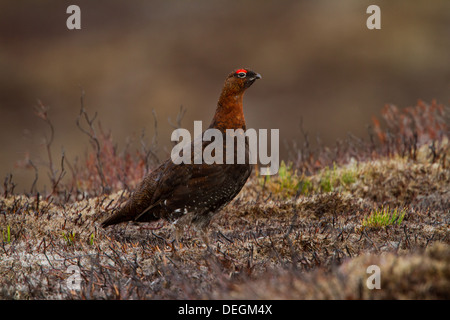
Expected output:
(251, 78)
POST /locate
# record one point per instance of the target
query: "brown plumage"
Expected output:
(193, 193)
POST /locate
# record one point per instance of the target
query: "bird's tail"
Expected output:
(128, 213)
(116, 218)
(119, 215)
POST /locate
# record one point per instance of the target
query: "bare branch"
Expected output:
(91, 133)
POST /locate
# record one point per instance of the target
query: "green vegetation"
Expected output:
(92, 239)
(286, 183)
(6, 235)
(336, 179)
(384, 217)
(69, 237)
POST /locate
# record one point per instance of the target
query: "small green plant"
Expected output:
(327, 179)
(348, 177)
(286, 183)
(91, 239)
(69, 237)
(383, 217)
(332, 179)
(305, 186)
(287, 178)
(7, 235)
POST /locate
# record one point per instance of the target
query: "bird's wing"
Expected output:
(208, 188)
(206, 185)
(150, 192)
(158, 187)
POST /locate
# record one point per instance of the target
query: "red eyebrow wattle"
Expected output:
(241, 70)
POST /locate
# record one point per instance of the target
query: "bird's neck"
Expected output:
(229, 112)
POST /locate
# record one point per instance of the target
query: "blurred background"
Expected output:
(318, 60)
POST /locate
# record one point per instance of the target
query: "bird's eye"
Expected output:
(241, 74)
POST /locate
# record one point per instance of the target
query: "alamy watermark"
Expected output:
(73, 22)
(73, 282)
(234, 138)
(374, 280)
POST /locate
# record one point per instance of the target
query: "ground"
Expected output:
(283, 237)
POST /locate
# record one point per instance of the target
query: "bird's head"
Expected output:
(229, 112)
(241, 79)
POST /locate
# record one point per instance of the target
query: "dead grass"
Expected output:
(258, 249)
(294, 236)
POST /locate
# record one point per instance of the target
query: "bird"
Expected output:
(192, 193)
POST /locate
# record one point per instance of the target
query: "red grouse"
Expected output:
(193, 193)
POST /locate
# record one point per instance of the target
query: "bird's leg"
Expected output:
(179, 230)
(202, 228)
(205, 238)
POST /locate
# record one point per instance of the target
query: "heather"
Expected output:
(309, 232)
